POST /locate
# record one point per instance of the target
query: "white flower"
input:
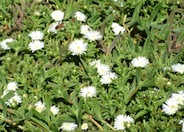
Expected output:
(178, 68)
(54, 110)
(140, 62)
(85, 29)
(80, 16)
(170, 107)
(178, 98)
(102, 69)
(122, 121)
(57, 15)
(12, 86)
(15, 100)
(95, 63)
(93, 35)
(117, 28)
(36, 35)
(3, 44)
(182, 122)
(84, 126)
(68, 126)
(107, 78)
(166, 68)
(39, 106)
(52, 27)
(78, 47)
(89, 91)
(36, 45)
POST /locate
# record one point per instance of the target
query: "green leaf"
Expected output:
(177, 58)
(29, 126)
(138, 75)
(135, 16)
(154, 13)
(2, 78)
(180, 37)
(133, 90)
(96, 110)
(140, 114)
(8, 96)
(147, 44)
(40, 116)
(3, 107)
(70, 10)
(148, 83)
(40, 124)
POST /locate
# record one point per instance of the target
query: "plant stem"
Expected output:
(108, 125)
(12, 123)
(8, 110)
(93, 121)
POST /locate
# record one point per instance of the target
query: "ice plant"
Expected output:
(107, 78)
(182, 122)
(84, 126)
(12, 86)
(54, 110)
(95, 63)
(52, 27)
(36, 35)
(88, 91)
(102, 69)
(140, 62)
(36, 45)
(170, 107)
(4, 45)
(93, 35)
(77, 47)
(179, 68)
(39, 106)
(123, 121)
(14, 101)
(68, 126)
(80, 16)
(84, 29)
(117, 28)
(57, 15)
(178, 98)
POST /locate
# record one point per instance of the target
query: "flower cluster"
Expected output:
(4, 45)
(123, 121)
(104, 71)
(172, 105)
(58, 16)
(90, 34)
(36, 43)
(40, 106)
(16, 99)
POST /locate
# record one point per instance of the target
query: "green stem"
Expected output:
(138, 75)
(108, 125)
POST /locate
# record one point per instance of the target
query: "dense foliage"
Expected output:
(55, 76)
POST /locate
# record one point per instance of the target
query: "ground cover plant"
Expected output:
(91, 65)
